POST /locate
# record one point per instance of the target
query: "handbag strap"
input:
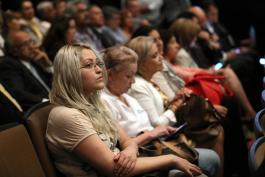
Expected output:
(192, 156)
(164, 97)
(215, 113)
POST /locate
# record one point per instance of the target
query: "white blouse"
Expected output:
(150, 99)
(132, 118)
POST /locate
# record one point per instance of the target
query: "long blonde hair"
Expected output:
(67, 89)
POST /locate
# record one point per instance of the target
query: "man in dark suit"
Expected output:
(26, 71)
(96, 23)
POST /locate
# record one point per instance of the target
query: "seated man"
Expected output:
(25, 71)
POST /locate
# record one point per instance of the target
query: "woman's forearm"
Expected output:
(143, 138)
(148, 164)
(127, 143)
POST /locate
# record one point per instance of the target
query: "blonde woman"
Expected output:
(81, 134)
(152, 98)
(144, 91)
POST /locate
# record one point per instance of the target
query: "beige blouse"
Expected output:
(66, 128)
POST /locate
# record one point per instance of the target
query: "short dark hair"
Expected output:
(207, 3)
(143, 31)
(165, 35)
(108, 11)
(21, 3)
(187, 15)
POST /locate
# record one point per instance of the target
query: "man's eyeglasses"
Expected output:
(25, 43)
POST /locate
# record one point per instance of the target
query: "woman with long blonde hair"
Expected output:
(82, 135)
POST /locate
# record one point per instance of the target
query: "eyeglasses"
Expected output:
(93, 65)
(25, 43)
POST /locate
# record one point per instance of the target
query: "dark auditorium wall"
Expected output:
(238, 16)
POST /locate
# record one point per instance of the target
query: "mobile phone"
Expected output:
(237, 51)
(173, 134)
(218, 66)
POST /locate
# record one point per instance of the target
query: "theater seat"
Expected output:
(259, 124)
(36, 122)
(257, 158)
(18, 157)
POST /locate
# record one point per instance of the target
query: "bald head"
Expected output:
(21, 45)
(17, 38)
(199, 12)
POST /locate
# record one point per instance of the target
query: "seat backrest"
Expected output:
(257, 154)
(263, 98)
(36, 121)
(18, 157)
(259, 124)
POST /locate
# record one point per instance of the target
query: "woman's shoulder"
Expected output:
(63, 113)
(106, 95)
(140, 82)
(140, 86)
(63, 110)
(130, 99)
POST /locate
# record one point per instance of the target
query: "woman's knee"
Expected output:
(209, 161)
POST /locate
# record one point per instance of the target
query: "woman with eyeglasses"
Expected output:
(81, 134)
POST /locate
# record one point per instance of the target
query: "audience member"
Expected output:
(214, 26)
(150, 61)
(62, 32)
(60, 7)
(97, 24)
(84, 34)
(171, 10)
(150, 10)
(127, 23)
(134, 7)
(82, 135)
(12, 23)
(46, 11)
(112, 21)
(31, 24)
(26, 71)
(150, 96)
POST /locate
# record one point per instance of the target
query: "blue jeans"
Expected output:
(209, 161)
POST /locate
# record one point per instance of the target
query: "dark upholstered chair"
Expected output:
(18, 157)
(36, 122)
